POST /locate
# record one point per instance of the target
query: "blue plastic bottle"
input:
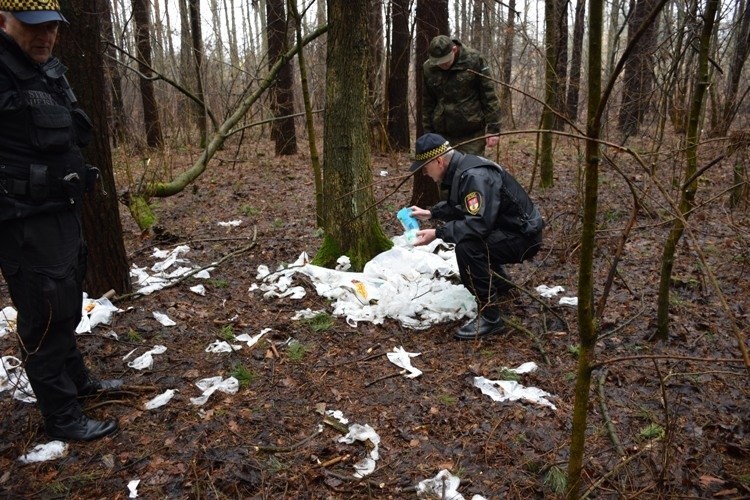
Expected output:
(411, 225)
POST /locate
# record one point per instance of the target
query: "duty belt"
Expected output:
(13, 187)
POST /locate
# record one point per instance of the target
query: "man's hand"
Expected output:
(424, 237)
(492, 141)
(420, 213)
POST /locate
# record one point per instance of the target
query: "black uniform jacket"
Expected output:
(483, 197)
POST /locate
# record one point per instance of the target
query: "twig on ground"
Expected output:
(384, 377)
(605, 414)
(286, 449)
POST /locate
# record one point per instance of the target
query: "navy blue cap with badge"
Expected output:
(429, 146)
(34, 11)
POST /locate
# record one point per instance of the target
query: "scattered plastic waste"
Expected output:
(443, 486)
(413, 285)
(230, 385)
(95, 312)
(199, 289)
(231, 223)
(8, 318)
(146, 283)
(358, 432)
(510, 390)
(568, 301)
(160, 400)
(163, 319)
(133, 488)
(548, 292)
(13, 376)
(410, 224)
(146, 360)
(45, 452)
(402, 359)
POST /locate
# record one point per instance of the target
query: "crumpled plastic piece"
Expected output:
(410, 284)
(568, 301)
(251, 340)
(148, 283)
(306, 314)
(13, 376)
(230, 385)
(510, 390)
(222, 346)
(133, 488)
(402, 359)
(160, 400)
(198, 289)
(548, 292)
(443, 486)
(358, 432)
(45, 452)
(163, 319)
(8, 317)
(146, 360)
(231, 223)
(95, 312)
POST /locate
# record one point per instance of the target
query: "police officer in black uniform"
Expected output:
(42, 180)
(488, 216)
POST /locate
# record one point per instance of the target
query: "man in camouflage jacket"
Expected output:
(458, 98)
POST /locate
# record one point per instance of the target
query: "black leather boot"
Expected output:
(78, 428)
(93, 386)
(479, 327)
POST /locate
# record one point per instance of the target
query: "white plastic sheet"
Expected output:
(230, 385)
(358, 432)
(95, 312)
(13, 377)
(8, 317)
(443, 486)
(402, 359)
(414, 285)
(510, 390)
(146, 360)
(160, 400)
(45, 452)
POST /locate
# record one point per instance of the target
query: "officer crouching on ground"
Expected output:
(489, 217)
(42, 179)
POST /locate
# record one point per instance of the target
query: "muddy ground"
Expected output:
(676, 426)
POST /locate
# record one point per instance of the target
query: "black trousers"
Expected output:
(43, 260)
(479, 258)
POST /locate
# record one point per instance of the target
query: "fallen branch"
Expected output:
(605, 414)
(286, 449)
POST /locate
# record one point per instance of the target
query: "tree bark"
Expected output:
(194, 10)
(151, 122)
(506, 98)
(687, 198)
(574, 78)
(432, 20)
(636, 93)
(398, 78)
(83, 51)
(351, 226)
(283, 130)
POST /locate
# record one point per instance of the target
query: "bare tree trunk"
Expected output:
(432, 20)
(116, 113)
(692, 139)
(377, 77)
(739, 57)
(574, 80)
(561, 60)
(314, 157)
(398, 78)
(194, 9)
(151, 121)
(351, 224)
(283, 130)
(506, 98)
(636, 95)
(586, 320)
(82, 49)
(550, 94)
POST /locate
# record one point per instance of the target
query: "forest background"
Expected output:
(641, 103)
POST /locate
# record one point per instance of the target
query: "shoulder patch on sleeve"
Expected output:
(473, 202)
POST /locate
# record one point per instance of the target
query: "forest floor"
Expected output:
(666, 420)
